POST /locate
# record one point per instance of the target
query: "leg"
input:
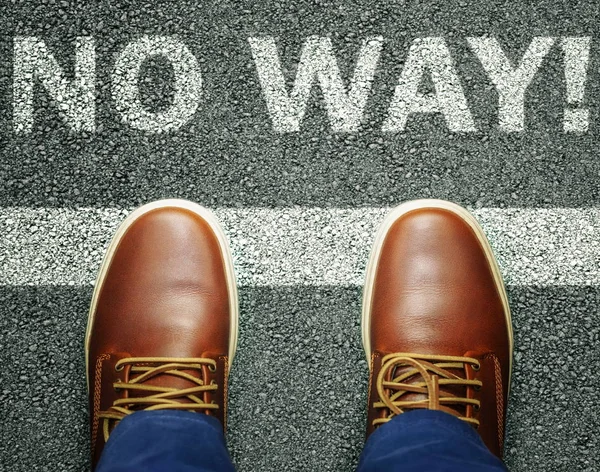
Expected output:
(155, 441)
(162, 332)
(427, 440)
(438, 336)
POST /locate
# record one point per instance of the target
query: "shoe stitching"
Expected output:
(225, 375)
(499, 398)
(373, 356)
(97, 396)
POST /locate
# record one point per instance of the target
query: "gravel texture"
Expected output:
(311, 417)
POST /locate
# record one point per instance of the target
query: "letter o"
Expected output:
(188, 84)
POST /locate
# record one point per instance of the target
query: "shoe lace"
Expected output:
(433, 372)
(158, 398)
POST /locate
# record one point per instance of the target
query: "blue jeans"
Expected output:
(182, 441)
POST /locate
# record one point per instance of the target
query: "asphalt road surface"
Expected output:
(299, 381)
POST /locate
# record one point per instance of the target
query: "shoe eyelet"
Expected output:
(212, 368)
(477, 387)
(212, 382)
(475, 367)
(476, 408)
(119, 368)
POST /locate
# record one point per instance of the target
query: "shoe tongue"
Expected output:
(163, 379)
(443, 390)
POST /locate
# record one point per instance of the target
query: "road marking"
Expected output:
(301, 245)
(344, 96)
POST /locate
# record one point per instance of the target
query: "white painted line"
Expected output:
(300, 246)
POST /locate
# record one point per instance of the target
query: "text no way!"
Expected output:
(345, 99)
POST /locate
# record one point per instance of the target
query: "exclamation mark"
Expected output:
(577, 55)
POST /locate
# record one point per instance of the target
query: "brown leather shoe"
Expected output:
(162, 328)
(436, 322)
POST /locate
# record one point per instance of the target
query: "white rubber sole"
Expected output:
(376, 252)
(206, 215)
